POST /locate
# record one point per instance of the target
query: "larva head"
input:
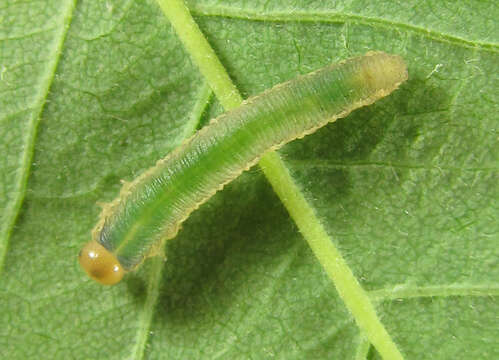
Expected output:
(100, 264)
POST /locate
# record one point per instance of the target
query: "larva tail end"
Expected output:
(381, 72)
(101, 265)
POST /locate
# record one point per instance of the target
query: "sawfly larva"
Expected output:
(150, 209)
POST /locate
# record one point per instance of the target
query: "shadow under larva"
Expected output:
(150, 209)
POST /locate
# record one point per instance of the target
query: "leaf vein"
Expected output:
(453, 290)
(326, 164)
(336, 17)
(14, 204)
(154, 276)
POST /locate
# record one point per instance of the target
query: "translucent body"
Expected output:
(151, 208)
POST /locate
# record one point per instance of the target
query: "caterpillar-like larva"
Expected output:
(150, 209)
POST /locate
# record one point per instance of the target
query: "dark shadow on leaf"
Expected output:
(137, 287)
(383, 132)
(231, 236)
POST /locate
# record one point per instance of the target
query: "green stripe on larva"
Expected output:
(150, 209)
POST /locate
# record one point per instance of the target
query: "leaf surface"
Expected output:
(96, 92)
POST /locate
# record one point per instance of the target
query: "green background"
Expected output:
(408, 188)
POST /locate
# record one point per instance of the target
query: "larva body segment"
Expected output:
(152, 207)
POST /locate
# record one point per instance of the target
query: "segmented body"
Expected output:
(152, 207)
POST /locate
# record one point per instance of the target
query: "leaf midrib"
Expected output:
(302, 213)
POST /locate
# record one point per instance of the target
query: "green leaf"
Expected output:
(95, 92)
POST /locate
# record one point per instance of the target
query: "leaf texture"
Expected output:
(96, 92)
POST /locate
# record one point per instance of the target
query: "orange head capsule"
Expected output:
(100, 264)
